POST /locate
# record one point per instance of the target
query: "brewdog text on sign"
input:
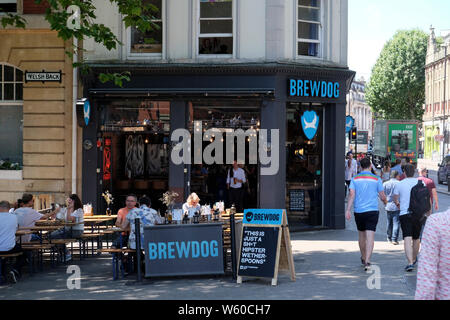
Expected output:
(263, 216)
(314, 89)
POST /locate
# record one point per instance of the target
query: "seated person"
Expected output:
(17, 205)
(27, 216)
(73, 213)
(130, 204)
(8, 228)
(148, 217)
(192, 205)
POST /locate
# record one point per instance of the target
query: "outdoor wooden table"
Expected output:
(50, 228)
(97, 221)
(100, 217)
(116, 230)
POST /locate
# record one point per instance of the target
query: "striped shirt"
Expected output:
(366, 186)
(433, 275)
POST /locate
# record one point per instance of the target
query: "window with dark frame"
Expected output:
(308, 28)
(11, 84)
(215, 27)
(149, 42)
(11, 116)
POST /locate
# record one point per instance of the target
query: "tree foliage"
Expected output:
(135, 13)
(396, 89)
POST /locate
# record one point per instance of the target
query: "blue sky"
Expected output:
(373, 22)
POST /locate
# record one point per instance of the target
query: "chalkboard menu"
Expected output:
(264, 233)
(258, 251)
(297, 200)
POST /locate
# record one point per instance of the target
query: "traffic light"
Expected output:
(354, 134)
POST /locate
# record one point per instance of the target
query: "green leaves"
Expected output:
(117, 78)
(397, 86)
(13, 20)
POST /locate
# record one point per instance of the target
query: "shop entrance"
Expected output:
(304, 164)
(209, 181)
(135, 137)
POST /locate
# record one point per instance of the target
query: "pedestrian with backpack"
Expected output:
(413, 198)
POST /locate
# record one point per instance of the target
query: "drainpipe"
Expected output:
(74, 117)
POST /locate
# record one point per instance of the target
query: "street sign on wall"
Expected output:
(43, 76)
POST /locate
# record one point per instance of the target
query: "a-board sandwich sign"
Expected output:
(263, 232)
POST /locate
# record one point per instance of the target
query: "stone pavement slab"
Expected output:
(327, 267)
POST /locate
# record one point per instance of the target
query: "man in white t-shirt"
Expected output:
(235, 180)
(411, 228)
(351, 170)
(8, 228)
(27, 216)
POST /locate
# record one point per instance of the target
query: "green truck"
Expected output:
(395, 139)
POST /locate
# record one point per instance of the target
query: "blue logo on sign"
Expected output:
(87, 112)
(310, 124)
(349, 123)
(263, 216)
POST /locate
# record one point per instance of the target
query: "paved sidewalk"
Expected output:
(327, 267)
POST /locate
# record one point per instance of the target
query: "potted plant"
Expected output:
(168, 199)
(10, 170)
(109, 200)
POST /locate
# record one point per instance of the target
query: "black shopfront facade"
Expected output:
(127, 142)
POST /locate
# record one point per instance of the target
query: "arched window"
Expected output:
(11, 117)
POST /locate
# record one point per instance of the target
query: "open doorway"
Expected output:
(304, 167)
(209, 181)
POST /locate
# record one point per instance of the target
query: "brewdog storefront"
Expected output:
(127, 143)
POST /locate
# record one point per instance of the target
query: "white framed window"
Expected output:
(11, 115)
(216, 27)
(309, 28)
(149, 44)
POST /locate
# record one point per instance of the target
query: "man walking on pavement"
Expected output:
(364, 191)
(392, 211)
(411, 228)
(431, 186)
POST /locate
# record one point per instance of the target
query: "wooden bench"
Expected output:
(117, 261)
(86, 237)
(6, 256)
(39, 250)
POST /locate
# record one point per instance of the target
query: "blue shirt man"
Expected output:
(367, 186)
(364, 191)
(398, 167)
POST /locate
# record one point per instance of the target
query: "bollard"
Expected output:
(137, 231)
(233, 246)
